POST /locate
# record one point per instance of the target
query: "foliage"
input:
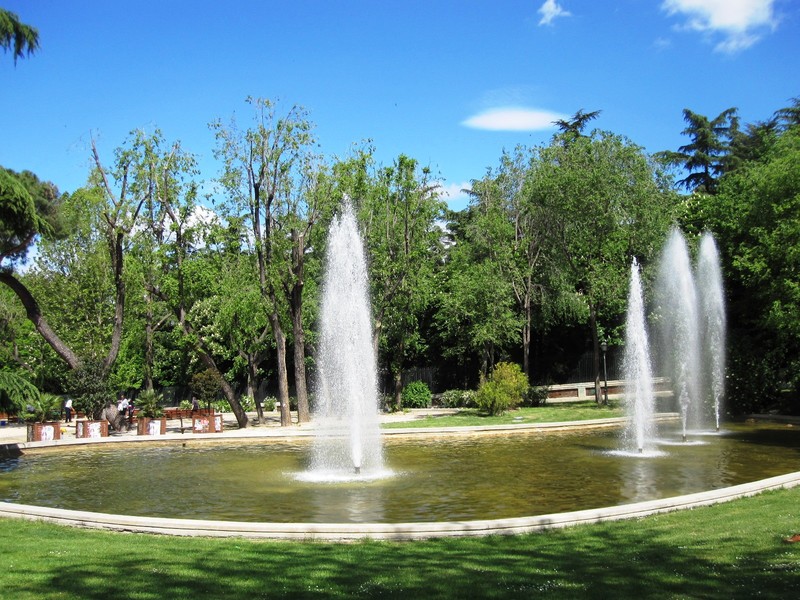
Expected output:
(16, 36)
(457, 398)
(535, 396)
(89, 387)
(148, 404)
(708, 154)
(16, 393)
(756, 220)
(503, 390)
(206, 386)
(47, 407)
(416, 394)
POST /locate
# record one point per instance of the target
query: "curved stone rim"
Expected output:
(385, 531)
(389, 531)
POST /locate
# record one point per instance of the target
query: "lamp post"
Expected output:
(604, 348)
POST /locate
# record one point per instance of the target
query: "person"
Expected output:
(68, 409)
(123, 405)
(195, 404)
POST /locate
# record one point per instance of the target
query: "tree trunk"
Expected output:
(252, 385)
(303, 412)
(230, 395)
(283, 378)
(398, 389)
(34, 314)
(149, 352)
(526, 340)
(598, 396)
(299, 341)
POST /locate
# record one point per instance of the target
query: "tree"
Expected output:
(33, 210)
(183, 285)
(708, 155)
(16, 36)
(756, 219)
(606, 202)
(573, 128)
(399, 217)
(263, 170)
(510, 232)
(16, 393)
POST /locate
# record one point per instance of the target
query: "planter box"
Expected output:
(91, 429)
(207, 423)
(148, 426)
(44, 432)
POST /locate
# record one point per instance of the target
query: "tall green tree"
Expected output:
(402, 237)
(183, 282)
(607, 202)
(512, 232)
(756, 219)
(264, 167)
(708, 155)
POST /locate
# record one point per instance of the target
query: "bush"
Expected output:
(535, 396)
(503, 390)
(206, 385)
(458, 399)
(416, 394)
(88, 385)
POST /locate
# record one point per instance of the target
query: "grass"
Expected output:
(733, 550)
(577, 411)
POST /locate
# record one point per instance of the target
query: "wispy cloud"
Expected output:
(454, 194)
(550, 11)
(513, 118)
(740, 22)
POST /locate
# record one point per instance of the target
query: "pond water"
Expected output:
(432, 478)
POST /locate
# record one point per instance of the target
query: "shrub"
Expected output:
(416, 394)
(535, 396)
(458, 398)
(206, 385)
(89, 387)
(503, 390)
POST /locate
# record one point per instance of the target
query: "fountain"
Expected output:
(639, 396)
(680, 327)
(712, 311)
(347, 443)
(691, 325)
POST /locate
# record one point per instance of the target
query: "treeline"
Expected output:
(149, 276)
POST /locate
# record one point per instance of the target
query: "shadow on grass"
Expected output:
(728, 551)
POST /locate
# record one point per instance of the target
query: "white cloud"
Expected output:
(736, 20)
(454, 194)
(550, 11)
(513, 119)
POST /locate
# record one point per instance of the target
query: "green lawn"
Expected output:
(733, 550)
(578, 411)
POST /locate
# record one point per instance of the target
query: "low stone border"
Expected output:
(388, 531)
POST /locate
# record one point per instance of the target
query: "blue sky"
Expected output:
(450, 83)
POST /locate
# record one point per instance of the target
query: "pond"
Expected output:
(446, 478)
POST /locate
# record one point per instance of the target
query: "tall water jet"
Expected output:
(347, 441)
(679, 325)
(639, 396)
(712, 311)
